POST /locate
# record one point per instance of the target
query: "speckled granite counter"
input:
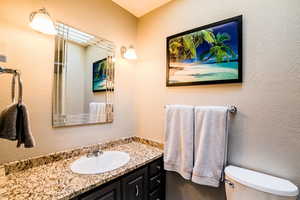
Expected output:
(50, 177)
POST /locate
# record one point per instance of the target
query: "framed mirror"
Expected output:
(83, 78)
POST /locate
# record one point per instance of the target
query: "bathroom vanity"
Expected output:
(146, 182)
(50, 176)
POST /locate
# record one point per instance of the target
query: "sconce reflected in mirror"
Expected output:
(128, 53)
(41, 21)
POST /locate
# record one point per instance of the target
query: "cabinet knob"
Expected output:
(136, 190)
(158, 167)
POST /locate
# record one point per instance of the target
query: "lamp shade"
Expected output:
(42, 22)
(130, 54)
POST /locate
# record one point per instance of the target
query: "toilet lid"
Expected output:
(262, 182)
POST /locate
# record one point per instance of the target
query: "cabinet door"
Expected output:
(135, 185)
(109, 192)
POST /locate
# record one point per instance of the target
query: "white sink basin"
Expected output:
(107, 161)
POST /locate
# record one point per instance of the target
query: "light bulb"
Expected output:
(130, 54)
(42, 22)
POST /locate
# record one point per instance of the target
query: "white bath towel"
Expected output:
(178, 148)
(97, 112)
(210, 145)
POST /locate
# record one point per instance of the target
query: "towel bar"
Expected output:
(232, 109)
(8, 71)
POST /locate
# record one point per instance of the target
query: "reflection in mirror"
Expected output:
(83, 78)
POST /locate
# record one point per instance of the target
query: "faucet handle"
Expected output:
(97, 153)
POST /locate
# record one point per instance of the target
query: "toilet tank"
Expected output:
(244, 184)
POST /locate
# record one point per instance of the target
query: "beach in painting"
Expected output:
(99, 85)
(179, 72)
(205, 55)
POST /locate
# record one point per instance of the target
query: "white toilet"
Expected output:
(244, 184)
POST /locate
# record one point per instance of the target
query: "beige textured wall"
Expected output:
(33, 54)
(265, 134)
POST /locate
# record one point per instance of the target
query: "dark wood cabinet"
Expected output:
(156, 195)
(156, 167)
(156, 180)
(135, 185)
(144, 183)
(109, 192)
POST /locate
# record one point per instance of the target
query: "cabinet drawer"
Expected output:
(156, 195)
(155, 182)
(156, 167)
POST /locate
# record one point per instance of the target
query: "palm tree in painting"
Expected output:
(183, 48)
(218, 49)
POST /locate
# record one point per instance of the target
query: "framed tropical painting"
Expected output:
(99, 75)
(209, 54)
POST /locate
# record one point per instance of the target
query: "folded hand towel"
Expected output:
(210, 145)
(15, 125)
(24, 134)
(8, 122)
(14, 119)
(178, 148)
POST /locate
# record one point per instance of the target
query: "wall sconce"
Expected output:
(41, 21)
(128, 53)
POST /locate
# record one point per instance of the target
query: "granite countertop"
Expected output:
(55, 180)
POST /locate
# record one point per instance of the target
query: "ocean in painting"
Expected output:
(99, 85)
(204, 72)
(205, 55)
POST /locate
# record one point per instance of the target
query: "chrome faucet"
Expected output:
(95, 153)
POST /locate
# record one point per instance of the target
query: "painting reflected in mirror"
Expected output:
(99, 75)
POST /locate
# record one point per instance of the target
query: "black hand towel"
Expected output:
(8, 122)
(15, 125)
(24, 135)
